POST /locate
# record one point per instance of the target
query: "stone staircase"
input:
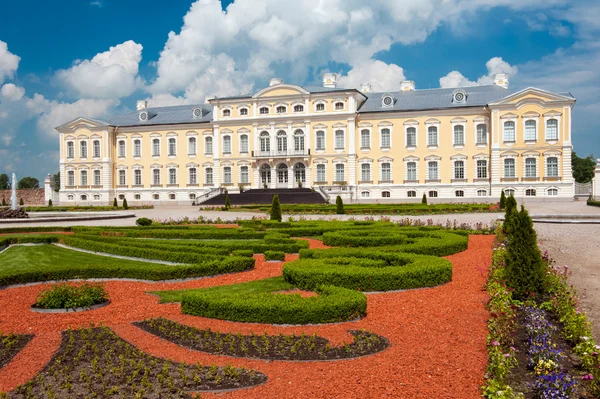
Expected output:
(265, 196)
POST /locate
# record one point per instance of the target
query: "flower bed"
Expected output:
(10, 345)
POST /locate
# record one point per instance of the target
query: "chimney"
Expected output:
(275, 81)
(365, 88)
(330, 80)
(501, 79)
(141, 104)
(407, 85)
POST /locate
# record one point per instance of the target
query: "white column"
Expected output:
(217, 157)
(596, 181)
(273, 139)
(291, 179)
(308, 137)
(290, 140)
(273, 177)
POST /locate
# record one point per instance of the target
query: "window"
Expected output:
(281, 142)
(530, 192)
(530, 130)
(96, 148)
(411, 194)
(459, 193)
(298, 108)
(339, 106)
(459, 135)
(432, 136)
(339, 139)
(227, 175)
(482, 169)
(433, 194)
(552, 192)
(365, 194)
(411, 171)
(321, 173)
(244, 174)
(122, 177)
(84, 178)
(121, 196)
(172, 147)
(226, 112)
(97, 197)
(208, 176)
(192, 146)
(192, 196)
(226, 144)
(530, 167)
(70, 149)
(459, 169)
(552, 129)
(340, 172)
(365, 138)
(156, 176)
(386, 171)
(386, 139)
(84, 197)
(482, 193)
(263, 110)
(172, 176)
(155, 147)
(320, 107)
(299, 141)
(481, 134)
(172, 196)
(244, 144)
(432, 168)
(193, 176)
(509, 168)
(320, 140)
(265, 142)
(83, 149)
(137, 148)
(509, 192)
(281, 109)
(156, 196)
(411, 137)
(70, 197)
(208, 145)
(70, 178)
(365, 172)
(97, 179)
(243, 111)
(121, 148)
(137, 177)
(137, 197)
(385, 194)
(509, 131)
(552, 167)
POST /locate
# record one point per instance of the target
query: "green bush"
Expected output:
(32, 229)
(274, 255)
(276, 209)
(424, 199)
(592, 202)
(115, 205)
(143, 222)
(65, 296)
(21, 202)
(227, 203)
(5, 241)
(502, 200)
(3, 201)
(50, 202)
(125, 203)
(339, 205)
(333, 304)
(247, 253)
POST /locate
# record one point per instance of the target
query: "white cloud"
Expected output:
(8, 62)
(11, 92)
(97, 3)
(381, 76)
(112, 74)
(57, 113)
(494, 66)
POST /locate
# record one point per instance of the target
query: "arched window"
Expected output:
(226, 144)
(321, 173)
(172, 196)
(385, 194)
(281, 109)
(70, 178)
(226, 112)
(172, 147)
(300, 172)
(530, 192)
(459, 193)
(433, 194)
(459, 135)
(137, 148)
(386, 138)
(432, 169)
(459, 170)
(208, 176)
(411, 194)
(411, 171)
(530, 130)
(208, 145)
(552, 192)
(365, 194)
(281, 142)
(365, 172)
(84, 178)
(70, 197)
(83, 149)
(70, 149)
(509, 132)
(243, 111)
(155, 147)
(320, 107)
(432, 136)
(411, 137)
(244, 144)
(299, 142)
(365, 138)
(84, 197)
(299, 108)
(192, 146)
(339, 140)
(97, 197)
(509, 168)
(156, 197)
(320, 140)
(244, 174)
(481, 134)
(340, 172)
(509, 192)
(97, 178)
(265, 142)
(263, 110)
(339, 106)
(96, 148)
(386, 172)
(121, 148)
(482, 193)
(193, 176)
(552, 129)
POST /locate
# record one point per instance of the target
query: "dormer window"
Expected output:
(459, 97)
(197, 113)
(281, 109)
(387, 101)
(320, 107)
(298, 108)
(339, 106)
(226, 112)
(244, 111)
(263, 110)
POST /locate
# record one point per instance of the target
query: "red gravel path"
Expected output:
(437, 336)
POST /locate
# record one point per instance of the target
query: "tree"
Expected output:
(227, 202)
(424, 199)
(56, 178)
(502, 200)
(50, 202)
(510, 206)
(28, 182)
(339, 206)
(21, 202)
(276, 209)
(115, 205)
(583, 168)
(125, 206)
(3, 201)
(4, 182)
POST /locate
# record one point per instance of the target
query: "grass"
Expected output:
(252, 287)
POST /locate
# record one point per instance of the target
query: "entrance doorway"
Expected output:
(265, 175)
(282, 176)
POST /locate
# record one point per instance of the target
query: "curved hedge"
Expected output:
(333, 304)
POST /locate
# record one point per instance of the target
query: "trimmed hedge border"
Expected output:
(275, 255)
(592, 202)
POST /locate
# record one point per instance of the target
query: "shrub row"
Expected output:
(32, 229)
(5, 241)
(64, 296)
(334, 304)
(81, 208)
(179, 233)
(375, 209)
(274, 255)
(592, 202)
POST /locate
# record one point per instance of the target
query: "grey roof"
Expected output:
(164, 116)
(434, 99)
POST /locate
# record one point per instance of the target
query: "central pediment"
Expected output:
(280, 91)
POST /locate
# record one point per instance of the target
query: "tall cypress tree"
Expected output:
(275, 209)
(339, 206)
(227, 202)
(502, 200)
(510, 206)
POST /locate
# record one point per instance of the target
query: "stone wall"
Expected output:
(33, 196)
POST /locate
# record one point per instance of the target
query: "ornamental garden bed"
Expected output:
(10, 345)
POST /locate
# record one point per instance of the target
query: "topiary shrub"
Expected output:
(275, 209)
(21, 202)
(510, 206)
(67, 296)
(274, 255)
(245, 253)
(125, 203)
(50, 202)
(502, 200)
(227, 203)
(339, 205)
(143, 222)
(424, 199)
(3, 201)
(115, 205)
(525, 270)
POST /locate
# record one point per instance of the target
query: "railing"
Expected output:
(583, 188)
(280, 153)
(324, 194)
(211, 194)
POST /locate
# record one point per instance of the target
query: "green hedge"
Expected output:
(378, 209)
(274, 255)
(33, 229)
(5, 241)
(334, 304)
(592, 202)
(248, 253)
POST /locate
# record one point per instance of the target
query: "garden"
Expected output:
(264, 308)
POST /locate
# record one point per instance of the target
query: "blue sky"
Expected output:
(95, 58)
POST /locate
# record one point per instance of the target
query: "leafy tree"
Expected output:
(502, 200)
(4, 182)
(276, 209)
(339, 206)
(424, 199)
(56, 178)
(115, 205)
(28, 182)
(125, 206)
(583, 168)
(227, 203)
(525, 270)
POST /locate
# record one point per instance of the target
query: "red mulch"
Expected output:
(437, 336)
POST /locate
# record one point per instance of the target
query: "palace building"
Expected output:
(464, 144)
